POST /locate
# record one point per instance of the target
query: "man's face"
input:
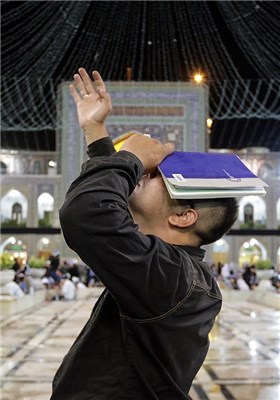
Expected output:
(149, 199)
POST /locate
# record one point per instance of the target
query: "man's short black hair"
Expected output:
(215, 217)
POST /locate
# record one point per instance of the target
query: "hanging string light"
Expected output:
(43, 44)
(255, 26)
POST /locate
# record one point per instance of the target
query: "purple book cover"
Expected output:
(194, 165)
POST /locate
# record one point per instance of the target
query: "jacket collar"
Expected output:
(194, 251)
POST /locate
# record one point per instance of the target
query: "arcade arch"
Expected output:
(13, 247)
(251, 251)
(45, 204)
(13, 208)
(252, 212)
(4, 168)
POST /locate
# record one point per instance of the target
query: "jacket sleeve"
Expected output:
(101, 147)
(146, 276)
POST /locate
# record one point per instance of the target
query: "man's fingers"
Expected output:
(169, 148)
(150, 151)
(106, 99)
(86, 86)
(100, 85)
(80, 85)
(86, 81)
(76, 97)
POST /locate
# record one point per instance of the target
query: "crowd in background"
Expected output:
(246, 278)
(62, 279)
(23, 276)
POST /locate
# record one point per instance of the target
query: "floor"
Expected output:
(243, 362)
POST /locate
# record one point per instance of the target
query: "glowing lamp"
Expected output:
(209, 122)
(198, 78)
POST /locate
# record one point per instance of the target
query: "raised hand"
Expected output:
(93, 104)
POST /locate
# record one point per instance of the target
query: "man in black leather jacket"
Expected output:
(147, 336)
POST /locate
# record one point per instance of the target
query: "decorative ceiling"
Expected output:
(234, 44)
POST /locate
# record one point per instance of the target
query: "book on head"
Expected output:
(208, 175)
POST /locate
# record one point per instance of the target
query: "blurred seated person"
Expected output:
(13, 289)
(54, 262)
(78, 283)
(23, 276)
(21, 282)
(74, 270)
(233, 279)
(250, 277)
(64, 268)
(275, 279)
(92, 279)
(65, 289)
(47, 280)
(16, 264)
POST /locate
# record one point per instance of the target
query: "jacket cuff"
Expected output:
(101, 147)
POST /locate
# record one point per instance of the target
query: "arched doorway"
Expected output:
(252, 212)
(17, 213)
(4, 168)
(251, 252)
(45, 209)
(249, 214)
(13, 209)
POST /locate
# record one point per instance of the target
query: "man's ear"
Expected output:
(183, 220)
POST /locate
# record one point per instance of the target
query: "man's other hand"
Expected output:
(149, 151)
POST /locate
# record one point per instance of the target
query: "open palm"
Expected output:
(92, 101)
